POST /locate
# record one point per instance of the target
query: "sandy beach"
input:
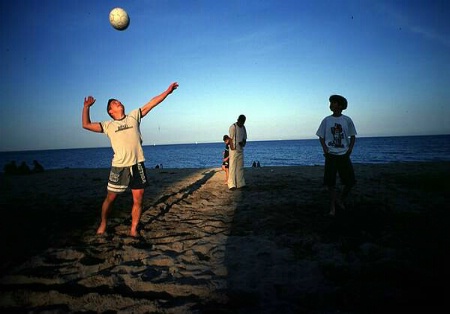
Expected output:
(268, 248)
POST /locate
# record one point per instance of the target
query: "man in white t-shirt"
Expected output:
(238, 135)
(127, 169)
(337, 135)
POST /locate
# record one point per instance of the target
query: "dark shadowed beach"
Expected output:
(269, 248)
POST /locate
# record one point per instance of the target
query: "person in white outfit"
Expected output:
(238, 135)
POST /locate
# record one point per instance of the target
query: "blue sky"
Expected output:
(275, 61)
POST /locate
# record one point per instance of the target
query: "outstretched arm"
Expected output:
(86, 117)
(158, 99)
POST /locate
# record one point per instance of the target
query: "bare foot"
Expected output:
(102, 228)
(332, 211)
(340, 203)
(133, 233)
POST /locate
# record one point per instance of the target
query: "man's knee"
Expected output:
(110, 197)
(138, 195)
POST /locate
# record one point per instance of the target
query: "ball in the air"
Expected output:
(119, 19)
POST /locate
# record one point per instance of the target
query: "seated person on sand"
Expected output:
(10, 168)
(23, 168)
(37, 167)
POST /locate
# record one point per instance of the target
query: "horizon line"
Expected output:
(215, 142)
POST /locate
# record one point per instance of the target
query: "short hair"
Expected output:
(225, 137)
(242, 118)
(342, 102)
(109, 104)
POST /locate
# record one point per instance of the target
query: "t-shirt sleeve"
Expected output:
(351, 128)
(105, 125)
(321, 130)
(136, 114)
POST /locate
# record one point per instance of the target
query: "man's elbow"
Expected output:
(89, 127)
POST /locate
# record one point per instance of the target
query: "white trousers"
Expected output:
(236, 170)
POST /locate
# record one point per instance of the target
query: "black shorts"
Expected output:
(342, 165)
(121, 178)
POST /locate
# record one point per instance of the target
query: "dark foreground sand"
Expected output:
(270, 248)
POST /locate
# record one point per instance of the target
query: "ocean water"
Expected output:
(268, 153)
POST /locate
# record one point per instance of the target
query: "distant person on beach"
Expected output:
(10, 168)
(37, 167)
(127, 170)
(23, 168)
(256, 164)
(337, 135)
(238, 135)
(226, 156)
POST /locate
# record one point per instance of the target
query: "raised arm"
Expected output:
(158, 99)
(86, 117)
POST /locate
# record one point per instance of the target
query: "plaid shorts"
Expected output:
(121, 178)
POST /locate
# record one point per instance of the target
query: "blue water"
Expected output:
(269, 153)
